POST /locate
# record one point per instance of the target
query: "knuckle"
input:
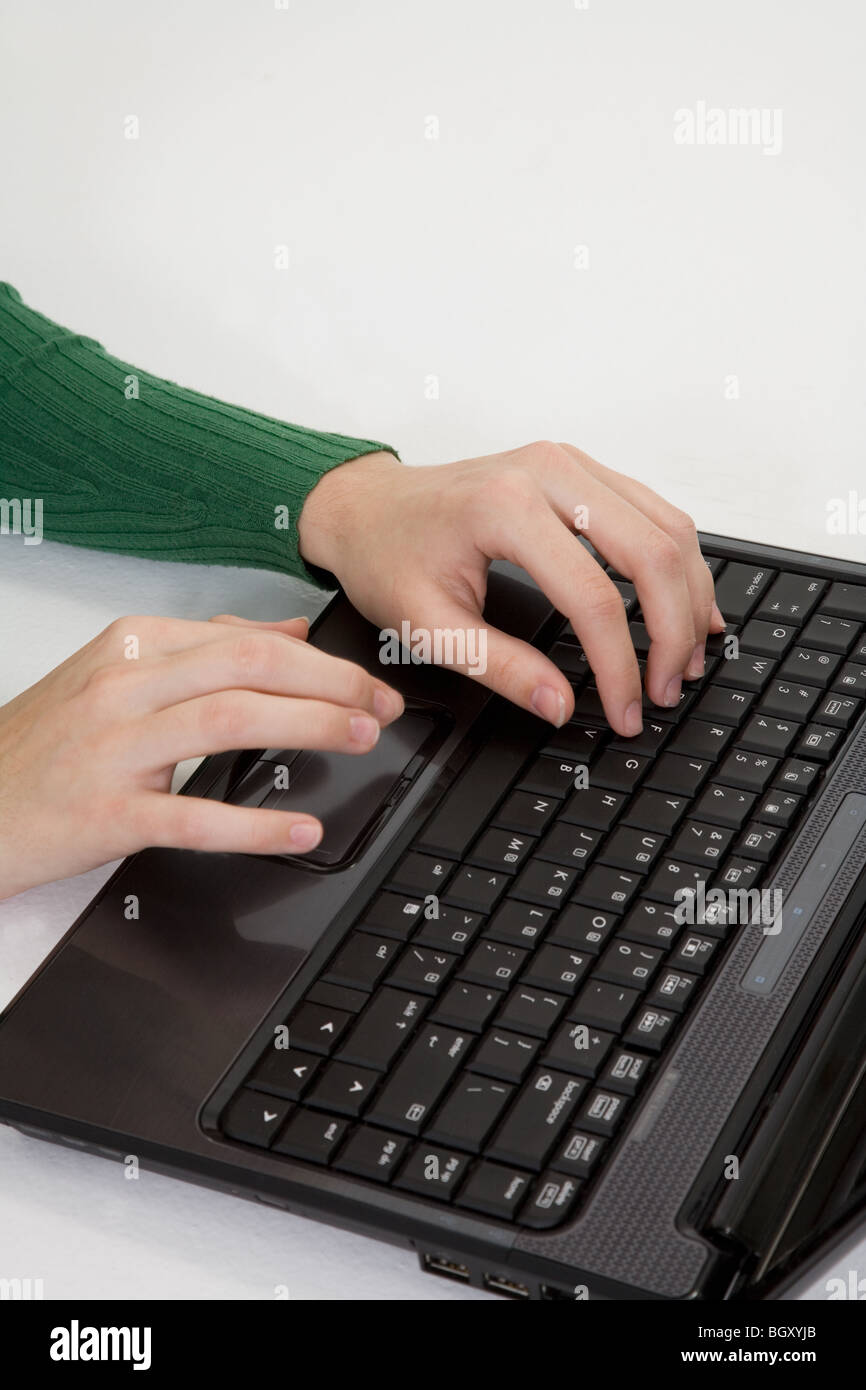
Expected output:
(257, 654)
(601, 602)
(681, 525)
(663, 553)
(103, 687)
(225, 716)
(355, 684)
(543, 453)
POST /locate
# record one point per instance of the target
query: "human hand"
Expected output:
(87, 754)
(415, 544)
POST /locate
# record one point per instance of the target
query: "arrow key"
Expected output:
(286, 1071)
(343, 1088)
(253, 1118)
(317, 1029)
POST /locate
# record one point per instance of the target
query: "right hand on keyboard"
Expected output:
(87, 754)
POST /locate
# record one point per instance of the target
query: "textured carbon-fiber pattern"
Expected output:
(628, 1232)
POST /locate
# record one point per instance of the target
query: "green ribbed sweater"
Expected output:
(126, 461)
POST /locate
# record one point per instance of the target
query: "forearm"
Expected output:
(123, 460)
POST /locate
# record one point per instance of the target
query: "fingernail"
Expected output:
(550, 704)
(672, 694)
(363, 729)
(387, 704)
(633, 719)
(304, 835)
(716, 616)
(697, 663)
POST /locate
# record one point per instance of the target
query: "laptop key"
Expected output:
(656, 811)
(555, 968)
(470, 1112)
(791, 598)
(751, 772)
(373, 1154)
(693, 953)
(286, 1071)
(343, 1088)
(362, 961)
(433, 1172)
(544, 883)
(797, 776)
(699, 843)
(789, 700)
(819, 742)
(648, 742)
(549, 777)
(569, 845)
(493, 963)
(780, 808)
(579, 1154)
(536, 1119)
(626, 1071)
(602, 1005)
(724, 704)
(422, 968)
(501, 849)
(383, 1029)
(764, 734)
(505, 1056)
(578, 1048)
(534, 1011)
(518, 924)
(678, 775)
(759, 842)
(629, 848)
(394, 914)
(651, 1029)
(619, 770)
(468, 1008)
(594, 807)
(767, 639)
(699, 739)
(420, 1078)
(352, 1001)
(602, 1113)
(810, 666)
(583, 927)
(452, 929)
(830, 634)
(253, 1118)
(839, 711)
(553, 1199)
(745, 672)
(721, 805)
(495, 1191)
(673, 875)
(651, 923)
(673, 990)
(851, 680)
(422, 873)
(629, 963)
(739, 587)
(526, 812)
(316, 1029)
(311, 1136)
(846, 601)
(477, 889)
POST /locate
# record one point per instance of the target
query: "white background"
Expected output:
(413, 258)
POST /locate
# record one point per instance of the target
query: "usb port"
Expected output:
(448, 1269)
(497, 1283)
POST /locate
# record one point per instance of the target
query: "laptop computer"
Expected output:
(482, 1021)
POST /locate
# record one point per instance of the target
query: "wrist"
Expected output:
(330, 509)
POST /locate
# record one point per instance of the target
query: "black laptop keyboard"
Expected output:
(480, 1035)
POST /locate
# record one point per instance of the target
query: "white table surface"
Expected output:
(412, 258)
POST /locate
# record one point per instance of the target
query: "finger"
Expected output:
(190, 822)
(502, 663)
(290, 627)
(525, 530)
(257, 659)
(680, 527)
(234, 719)
(642, 551)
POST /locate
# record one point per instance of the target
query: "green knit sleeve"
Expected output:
(125, 461)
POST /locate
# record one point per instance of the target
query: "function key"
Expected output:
(838, 710)
(579, 1154)
(779, 808)
(759, 842)
(846, 601)
(553, 1198)
(694, 953)
(738, 589)
(602, 1113)
(797, 776)
(651, 1029)
(625, 1071)
(819, 742)
(791, 598)
(851, 680)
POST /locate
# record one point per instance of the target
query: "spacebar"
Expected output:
(480, 786)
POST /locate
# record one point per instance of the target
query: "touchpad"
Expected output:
(352, 795)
